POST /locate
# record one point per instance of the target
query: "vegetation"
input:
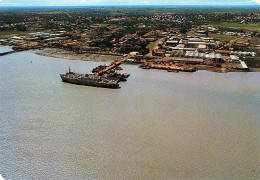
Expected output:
(252, 62)
(21, 33)
(244, 40)
(126, 29)
(247, 27)
(223, 37)
(139, 10)
(253, 43)
(98, 25)
(151, 45)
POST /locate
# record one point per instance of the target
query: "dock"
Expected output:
(113, 65)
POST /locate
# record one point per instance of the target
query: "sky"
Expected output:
(123, 2)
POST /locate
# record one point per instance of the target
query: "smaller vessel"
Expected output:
(119, 68)
(172, 70)
(144, 67)
(99, 68)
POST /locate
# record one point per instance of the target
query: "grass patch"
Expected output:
(223, 37)
(248, 27)
(49, 12)
(99, 25)
(18, 33)
(151, 45)
(244, 40)
(253, 42)
(191, 33)
(252, 63)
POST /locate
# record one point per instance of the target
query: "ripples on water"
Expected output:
(159, 125)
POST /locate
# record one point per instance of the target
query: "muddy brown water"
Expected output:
(159, 125)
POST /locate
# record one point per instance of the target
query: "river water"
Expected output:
(158, 125)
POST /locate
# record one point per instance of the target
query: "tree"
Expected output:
(21, 28)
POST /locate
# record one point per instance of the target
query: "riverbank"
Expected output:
(254, 69)
(69, 55)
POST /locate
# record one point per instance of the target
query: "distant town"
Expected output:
(219, 42)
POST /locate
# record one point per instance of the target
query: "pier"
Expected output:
(113, 65)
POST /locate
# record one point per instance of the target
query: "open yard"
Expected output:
(248, 27)
(252, 62)
(223, 37)
(151, 45)
(99, 25)
(20, 33)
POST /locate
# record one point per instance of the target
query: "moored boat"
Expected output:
(89, 80)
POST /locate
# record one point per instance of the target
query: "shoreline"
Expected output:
(6, 46)
(69, 55)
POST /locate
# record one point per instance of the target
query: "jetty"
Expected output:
(113, 65)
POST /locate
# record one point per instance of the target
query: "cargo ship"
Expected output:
(89, 80)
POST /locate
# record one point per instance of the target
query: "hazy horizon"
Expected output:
(130, 6)
(29, 3)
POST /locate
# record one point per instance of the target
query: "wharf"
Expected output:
(113, 65)
(173, 68)
(168, 66)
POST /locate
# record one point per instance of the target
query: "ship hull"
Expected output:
(89, 83)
